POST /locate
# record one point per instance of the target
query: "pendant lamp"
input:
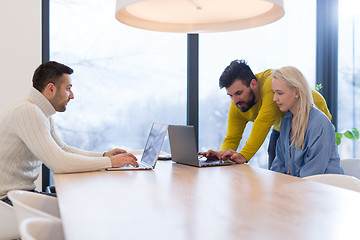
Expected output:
(198, 16)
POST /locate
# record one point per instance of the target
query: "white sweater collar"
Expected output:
(39, 100)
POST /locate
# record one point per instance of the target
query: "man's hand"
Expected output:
(210, 155)
(232, 155)
(123, 159)
(114, 152)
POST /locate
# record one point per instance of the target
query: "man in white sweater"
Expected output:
(28, 139)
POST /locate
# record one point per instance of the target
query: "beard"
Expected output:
(59, 103)
(249, 104)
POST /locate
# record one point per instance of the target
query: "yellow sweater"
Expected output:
(265, 113)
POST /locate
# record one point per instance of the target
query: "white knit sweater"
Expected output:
(27, 139)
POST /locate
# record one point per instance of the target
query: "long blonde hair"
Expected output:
(295, 80)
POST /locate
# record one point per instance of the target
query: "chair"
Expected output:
(30, 204)
(36, 228)
(50, 189)
(338, 180)
(351, 166)
(8, 222)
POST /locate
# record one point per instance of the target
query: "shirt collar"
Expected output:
(288, 114)
(40, 100)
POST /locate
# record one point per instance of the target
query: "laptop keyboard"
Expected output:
(141, 165)
(204, 162)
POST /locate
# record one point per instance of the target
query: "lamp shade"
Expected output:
(196, 16)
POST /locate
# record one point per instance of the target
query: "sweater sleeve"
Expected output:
(320, 103)
(33, 128)
(68, 148)
(235, 128)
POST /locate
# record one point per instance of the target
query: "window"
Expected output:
(349, 75)
(124, 78)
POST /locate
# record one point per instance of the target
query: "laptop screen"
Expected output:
(154, 143)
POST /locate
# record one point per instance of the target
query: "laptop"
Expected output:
(183, 148)
(151, 150)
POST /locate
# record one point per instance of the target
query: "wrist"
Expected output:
(240, 158)
(243, 159)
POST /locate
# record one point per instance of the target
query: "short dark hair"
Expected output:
(237, 70)
(49, 72)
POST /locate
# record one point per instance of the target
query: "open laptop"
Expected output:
(183, 148)
(151, 151)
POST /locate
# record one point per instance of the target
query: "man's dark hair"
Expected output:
(49, 72)
(237, 70)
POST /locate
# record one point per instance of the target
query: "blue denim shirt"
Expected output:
(319, 154)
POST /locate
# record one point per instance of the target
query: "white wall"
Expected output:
(20, 47)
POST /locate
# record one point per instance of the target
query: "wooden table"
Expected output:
(181, 202)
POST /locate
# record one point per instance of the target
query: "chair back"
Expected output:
(351, 166)
(38, 228)
(8, 222)
(338, 180)
(30, 204)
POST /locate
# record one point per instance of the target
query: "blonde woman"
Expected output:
(306, 145)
